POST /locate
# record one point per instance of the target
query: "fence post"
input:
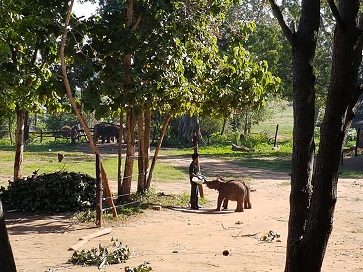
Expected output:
(277, 129)
(98, 192)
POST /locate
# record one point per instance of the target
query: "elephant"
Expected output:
(235, 190)
(107, 131)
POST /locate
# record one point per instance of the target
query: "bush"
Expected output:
(55, 192)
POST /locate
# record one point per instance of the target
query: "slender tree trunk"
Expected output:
(119, 162)
(147, 135)
(140, 147)
(223, 126)
(157, 149)
(26, 127)
(130, 123)
(19, 151)
(130, 155)
(10, 126)
(7, 262)
(78, 113)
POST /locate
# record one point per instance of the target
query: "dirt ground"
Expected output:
(181, 239)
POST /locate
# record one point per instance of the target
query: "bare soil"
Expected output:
(180, 239)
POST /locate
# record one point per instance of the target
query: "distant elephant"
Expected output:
(107, 131)
(235, 190)
(66, 131)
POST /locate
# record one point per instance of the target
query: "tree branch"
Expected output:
(134, 26)
(335, 13)
(278, 14)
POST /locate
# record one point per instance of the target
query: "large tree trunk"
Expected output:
(19, 139)
(314, 189)
(342, 96)
(7, 262)
(303, 43)
(303, 51)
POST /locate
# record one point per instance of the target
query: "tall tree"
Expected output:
(29, 39)
(314, 185)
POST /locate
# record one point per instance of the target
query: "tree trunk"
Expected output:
(125, 193)
(26, 127)
(10, 127)
(7, 262)
(119, 161)
(140, 147)
(157, 149)
(303, 49)
(19, 139)
(223, 126)
(314, 188)
(146, 153)
(189, 127)
(343, 94)
(78, 113)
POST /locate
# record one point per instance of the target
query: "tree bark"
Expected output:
(7, 262)
(343, 94)
(119, 161)
(26, 127)
(303, 44)
(140, 147)
(19, 139)
(314, 186)
(130, 154)
(147, 135)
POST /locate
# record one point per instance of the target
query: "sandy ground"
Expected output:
(179, 239)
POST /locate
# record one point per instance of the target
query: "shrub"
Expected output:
(55, 192)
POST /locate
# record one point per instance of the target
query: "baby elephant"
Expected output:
(235, 190)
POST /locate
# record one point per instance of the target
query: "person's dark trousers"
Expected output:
(194, 195)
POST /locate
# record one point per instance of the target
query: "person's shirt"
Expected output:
(193, 170)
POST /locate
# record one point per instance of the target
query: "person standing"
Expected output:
(194, 172)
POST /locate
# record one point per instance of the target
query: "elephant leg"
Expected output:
(239, 205)
(225, 204)
(219, 202)
(247, 201)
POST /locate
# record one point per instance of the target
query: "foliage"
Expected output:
(210, 126)
(141, 268)
(270, 237)
(28, 46)
(115, 253)
(56, 122)
(56, 192)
